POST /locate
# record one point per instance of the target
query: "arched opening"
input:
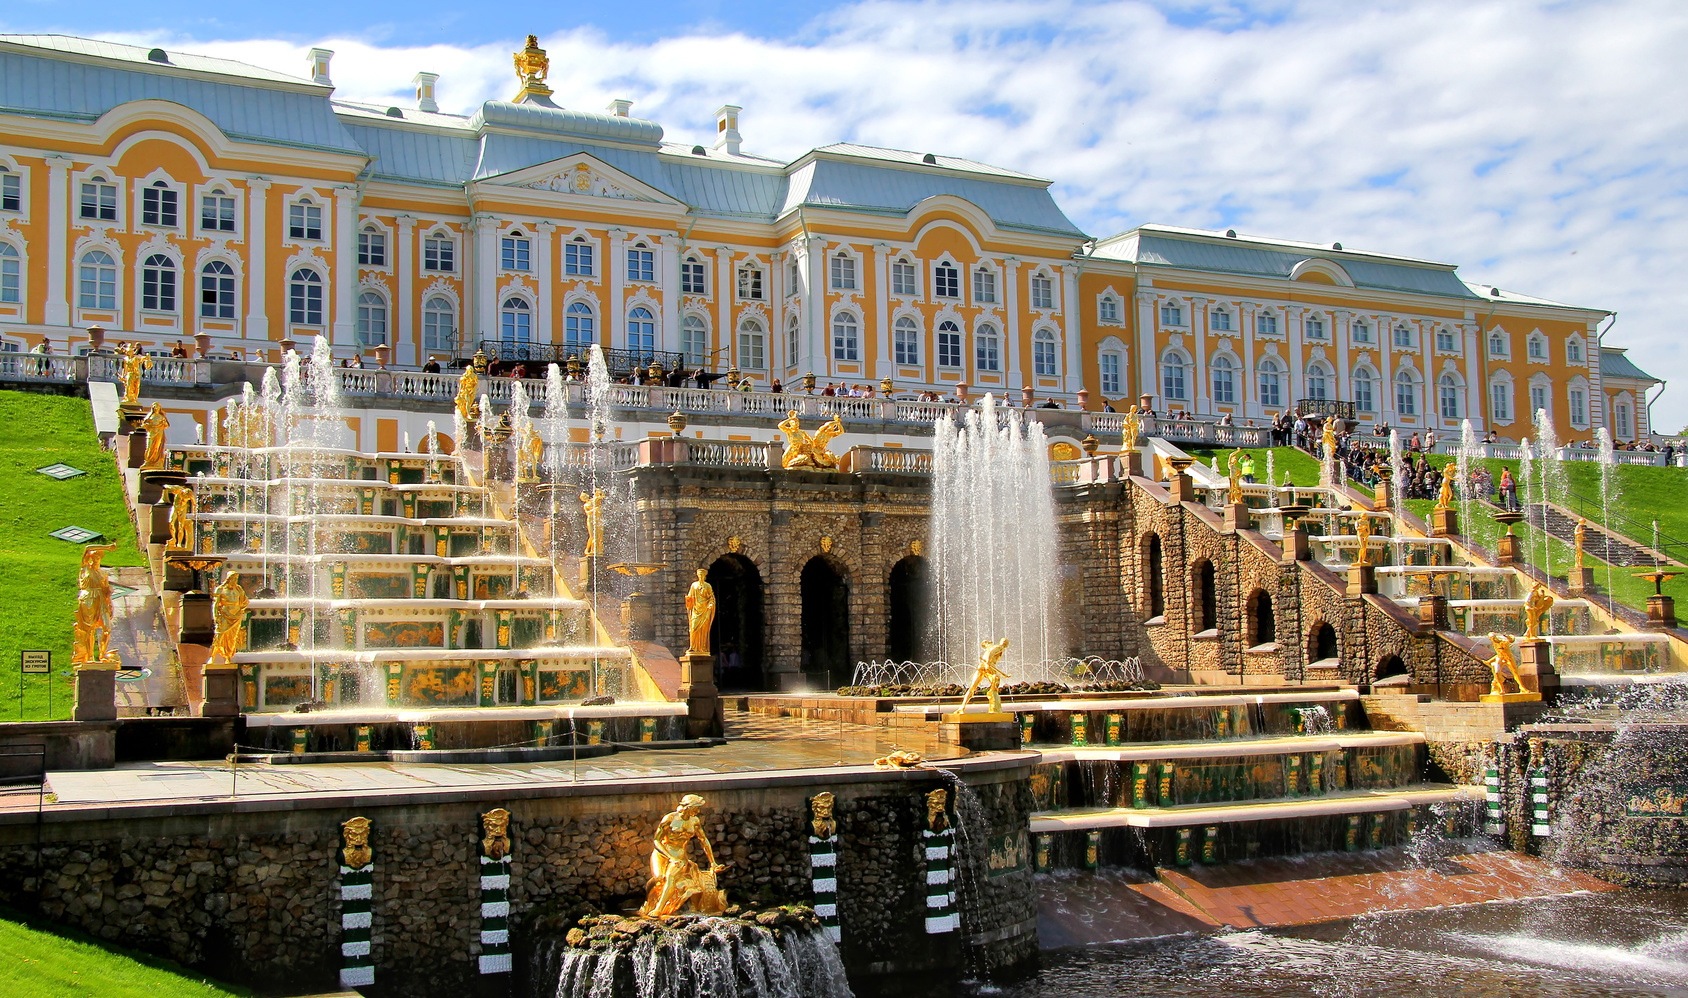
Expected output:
(910, 613)
(1321, 642)
(1153, 584)
(1202, 580)
(826, 624)
(737, 634)
(1390, 666)
(1262, 625)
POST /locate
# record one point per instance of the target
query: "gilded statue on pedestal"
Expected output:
(91, 629)
(182, 505)
(228, 612)
(592, 504)
(530, 455)
(803, 450)
(988, 675)
(1504, 662)
(1580, 536)
(1235, 463)
(156, 424)
(1132, 427)
(468, 401)
(1362, 532)
(354, 833)
(677, 882)
(1445, 498)
(1327, 437)
(496, 843)
(1536, 607)
(700, 613)
(132, 363)
(821, 822)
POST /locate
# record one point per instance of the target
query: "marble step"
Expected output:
(1326, 805)
(1226, 749)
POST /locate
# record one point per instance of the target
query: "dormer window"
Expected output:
(578, 258)
(903, 280)
(641, 263)
(160, 205)
(750, 283)
(304, 220)
(946, 281)
(843, 271)
(515, 252)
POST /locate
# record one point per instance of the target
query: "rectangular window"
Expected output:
(1363, 399)
(1172, 315)
(158, 289)
(1043, 355)
(1043, 291)
(843, 272)
(1403, 337)
(1573, 351)
(987, 349)
(577, 258)
(439, 255)
(304, 220)
(1313, 328)
(1579, 407)
(11, 191)
(946, 282)
(694, 280)
(750, 283)
(751, 350)
(1222, 321)
(1362, 332)
(641, 264)
(1500, 401)
(902, 278)
(1107, 309)
(1266, 324)
(372, 248)
(1110, 374)
(99, 201)
(906, 344)
(216, 212)
(984, 286)
(515, 253)
(949, 346)
(845, 339)
(1538, 398)
(1445, 341)
(1450, 401)
(158, 206)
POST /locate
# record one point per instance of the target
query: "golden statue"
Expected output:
(228, 611)
(1362, 531)
(1445, 498)
(937, 810)
(157, 424)
(1235, 462)
(354, 832)
(988, 675)
(677, 882)
(132, 363)
(805, 451)
(532, 66)
(530, 454)
(467, 401)
(900, 759)
(1328, 437)
(593, 505)
(700, 613)
(1503, 661)
(1536, 606)
(182, 505)
(821, 823)
(91, 627)
(1132, 426)
(1580, 536)
(496, 824)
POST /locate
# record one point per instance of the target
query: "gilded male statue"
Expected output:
(1536, 607)
(988, 675)
(182, 505)
(700, 612)
(228, 611)
(593, 505)
(468, 405)
(677, 882)
(1503, 661)
(1362, 532)
(1580, 536)
(1235, 462)
(1131, 427)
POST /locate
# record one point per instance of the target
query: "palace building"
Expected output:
(163, 196)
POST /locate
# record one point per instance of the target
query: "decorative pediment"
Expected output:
(584, 176)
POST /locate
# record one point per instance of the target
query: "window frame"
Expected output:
(1360, 331)
(306, 295)
(515, 320)
(515, 253)
(1108, 309)
(750, 282)
(164, 295)
(1364, 382)
(1220, 320)
(641, 263)
(11, 189)
(646, 326)
(752, 344)
(1270, 394)
(846, 337)
(11, 274)
(984, 285)
(304, 217)
(218, 291)
(161, 205)
(949, 343)
(1046, 353)
(580, 257)
(1406, 394)
(212, 202)
(905, 278)
(364, 332)
(105, 199)
(110, 265)
(1222, 364)
(439, 252)
(1110, 372)
(1041, 291)
(431, 332)
(905, 341)
(372, 246)
(1175, 376)
(841, 271)
(946, 281)
(694, 276)
(578, 317)
(693, 324)
(1266, 323)
(987, 348)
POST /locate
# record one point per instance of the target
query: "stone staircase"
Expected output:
(1601, 543)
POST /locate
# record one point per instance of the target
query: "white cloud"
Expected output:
(1544, 147)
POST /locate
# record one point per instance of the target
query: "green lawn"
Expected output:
(37, 572)
(1288, 463)
(45, 960)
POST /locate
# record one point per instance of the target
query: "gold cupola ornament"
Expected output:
(532, 65)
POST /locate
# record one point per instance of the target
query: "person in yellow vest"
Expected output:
(1248, 468)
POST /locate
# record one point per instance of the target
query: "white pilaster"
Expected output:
(615, 268)
(1198, 355)
(1147, 383)
(1011, 324)
(257, 324)
(1074, 371)
(407, 336)
(1341, 330)
(546, 327)
(484, 261)
(882, 310)
(345, 267)
(57, 311)
(814, 276)
(668, 333)
(721, 352)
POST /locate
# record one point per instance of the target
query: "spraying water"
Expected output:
(1469, 451)
(1608, 499)
(1398, 471)
(1550, 478)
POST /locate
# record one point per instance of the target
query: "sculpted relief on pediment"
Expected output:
(585, 181)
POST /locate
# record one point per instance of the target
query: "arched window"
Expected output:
(1448, 391)
(515, 320)
(1406, 394)
(439, 330)
(694, 340)
(1365, 389)
(1175, 373)
(1271, 380)
(946, 281)
(846, 337)
(1224, 372)
(159, 205)
(949, 344)
(641, 332)
(216, 290)
(1497, 344)
(1107, 310)
(11, 275)
(793, 339)
(96, 281)
(1044, 353)
(1318, 381)
(1204, 583)
(1262, 624)
(304, 297)
(905, 341)
(987, 349)
(372, 319)
(158, 284)
(1573, 351)
(1110, 366)
(580, 327)
(752, 344)
(843, 267)
(372, 247)
(1537, 347)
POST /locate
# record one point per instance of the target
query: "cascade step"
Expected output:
(1233, 748)
(1194, 701)
(1335, 804)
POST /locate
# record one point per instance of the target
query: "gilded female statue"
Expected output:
(156, 424)
(593, 505)
(1235, 494)
(467, 402)
(228, 610)
(700, 612)
(91, 628)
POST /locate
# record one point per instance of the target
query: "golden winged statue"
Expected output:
(803, 450)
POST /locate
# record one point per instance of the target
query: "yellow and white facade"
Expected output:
(164, 196)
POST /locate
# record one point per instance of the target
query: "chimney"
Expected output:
(620, 108)
(726, 128)
(425, 91)
(319, 59)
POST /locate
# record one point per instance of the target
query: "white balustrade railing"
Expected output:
(35, 367)
(891, 459)
(728, 453)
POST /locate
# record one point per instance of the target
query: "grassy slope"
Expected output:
(1289, 463)
(43, 961)
(37, 572)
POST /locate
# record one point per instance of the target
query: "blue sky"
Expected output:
(1541, 146)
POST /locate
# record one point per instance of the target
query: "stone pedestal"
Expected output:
(1362, 580)
(1509, 551)
(96, 694)
(1182, 487)
(129, 416)
(1295, 546)
(1535, 664)
(198, 625)
(637, 619)
(158, 524)
(1382, 501)
(1134, 463)
(1580, 580)
(1661, 612)
(1433, 611)
(980, 732)
(222, 691)
(153, 481)
(1238, 516)
(703, 700)
(1444, 522)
